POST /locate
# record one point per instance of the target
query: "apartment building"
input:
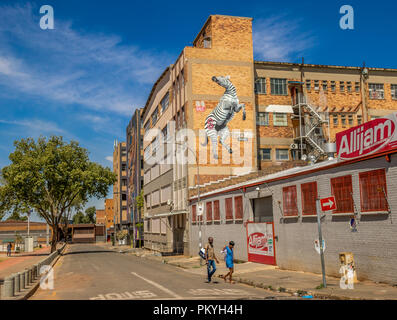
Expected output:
(135, 174)
(100, 216)
(276, 112)
(110, 216)
(122, 219)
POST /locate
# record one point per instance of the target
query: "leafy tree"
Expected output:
(49, 175)
(90, 215)
(17, 217)
(78, 218)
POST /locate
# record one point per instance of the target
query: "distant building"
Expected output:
(100, 216)
(135, 173)
(122, 219)
(109, 213)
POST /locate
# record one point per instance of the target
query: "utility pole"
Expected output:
(320, 239)
(364, 94)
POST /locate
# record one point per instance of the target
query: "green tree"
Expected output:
(90, 215)
(17, 217)
(48, 175)
(79, 218)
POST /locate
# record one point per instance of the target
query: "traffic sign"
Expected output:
(200, 208)
(328, 204)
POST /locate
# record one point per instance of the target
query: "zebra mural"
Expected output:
(216, 122)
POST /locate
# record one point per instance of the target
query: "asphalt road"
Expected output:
(88, 272)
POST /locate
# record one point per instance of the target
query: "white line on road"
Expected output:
(159, 286)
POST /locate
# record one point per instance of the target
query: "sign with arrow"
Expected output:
(328, 204)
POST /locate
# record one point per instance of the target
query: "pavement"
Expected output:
(102, 272)
(276, 280)
(18, 262)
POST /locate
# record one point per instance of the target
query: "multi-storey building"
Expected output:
(275, 112)
(135, 174)
(110, 216)
(100, 216)
(122, 219)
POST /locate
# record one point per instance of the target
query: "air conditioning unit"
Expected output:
(294, 146)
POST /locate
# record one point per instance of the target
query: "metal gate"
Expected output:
(260, 243)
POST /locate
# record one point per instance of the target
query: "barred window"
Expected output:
(359, 120)
(229, 208)
(290, 204)
(262, 118)
(325, 85)
(335, 118)
(376, 91)
(342, 86)
(342, 190)
(316, 85)
(350, 117)
(308, 85)
(265, 154)
(373, 190)
(309, 197)
(238, 204)
(343, 119)
(217, 214)
(209, 211)
(280, 119)
(394, 91)
(278, 86)
(260, 85)
(349, 86)
(333, 86)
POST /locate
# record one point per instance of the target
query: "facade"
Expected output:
(233, 116)
(122, 219)
(100, 216)
(109, 213)
(10, 229)
(273, 219)
(135, 174)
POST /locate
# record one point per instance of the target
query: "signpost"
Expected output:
(328, 204)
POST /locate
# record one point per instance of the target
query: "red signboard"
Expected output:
(260, 242)
(371, 137)
(328, 204)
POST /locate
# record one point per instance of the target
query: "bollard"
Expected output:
(21, 280)
(36, 273)
(30, 276)
(26, 278)
(7, 290)
(17, 283)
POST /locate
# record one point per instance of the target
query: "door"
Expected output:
(260, 242)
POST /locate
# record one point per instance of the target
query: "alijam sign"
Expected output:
(371, 137)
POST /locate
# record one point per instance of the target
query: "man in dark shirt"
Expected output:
(210, 258)
(9, 246)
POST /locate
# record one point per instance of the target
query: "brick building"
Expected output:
(292, 112)
(100, 216)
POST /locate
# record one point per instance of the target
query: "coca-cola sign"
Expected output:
(258, 241)
(371, 137)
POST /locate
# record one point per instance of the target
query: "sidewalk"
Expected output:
(18, 262)
(272, 278)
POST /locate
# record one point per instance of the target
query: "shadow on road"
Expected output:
(89, 251)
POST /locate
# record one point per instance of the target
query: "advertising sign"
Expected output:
(368, 138)
(260, 243)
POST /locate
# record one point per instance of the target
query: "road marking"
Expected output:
(159, 286)
(125, 296)
(217, 292)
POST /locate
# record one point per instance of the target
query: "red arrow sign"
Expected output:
(328, 204)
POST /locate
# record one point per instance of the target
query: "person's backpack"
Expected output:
(202, 254)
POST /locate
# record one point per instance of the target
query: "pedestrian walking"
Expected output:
(9, 246)
(229, 260)
(210, 258)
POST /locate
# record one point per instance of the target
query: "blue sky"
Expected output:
(83, 79)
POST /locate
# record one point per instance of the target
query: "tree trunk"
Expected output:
(54, 239)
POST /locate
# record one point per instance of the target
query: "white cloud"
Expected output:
(71, 66)
(109, 158)
(35, 126)
(280, 39)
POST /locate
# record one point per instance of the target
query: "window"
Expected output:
(342, 190)
(357, 86)
(165, 102)
(209, 211)
(217, 213)
(290, 204)
(309, 197)
(373, 190)
(194, 213)
(278, 86)
(147, 125)
(282, 154)
(280, 119)
(376, 91)
(349, 86)
(182, 79)
(343, 119)
(316, 85)
(229, 208)
(336, 120)
(238, 204)
(154, 116)
(333, 86)
(359, 120)
(308, 85)
(265, 154)
(325, 85)
(350, 117)
(342, 86)
(262, 119)
(394, 91)
(260, 85)
(165, 133)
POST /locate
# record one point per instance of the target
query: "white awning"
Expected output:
(279, 108)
